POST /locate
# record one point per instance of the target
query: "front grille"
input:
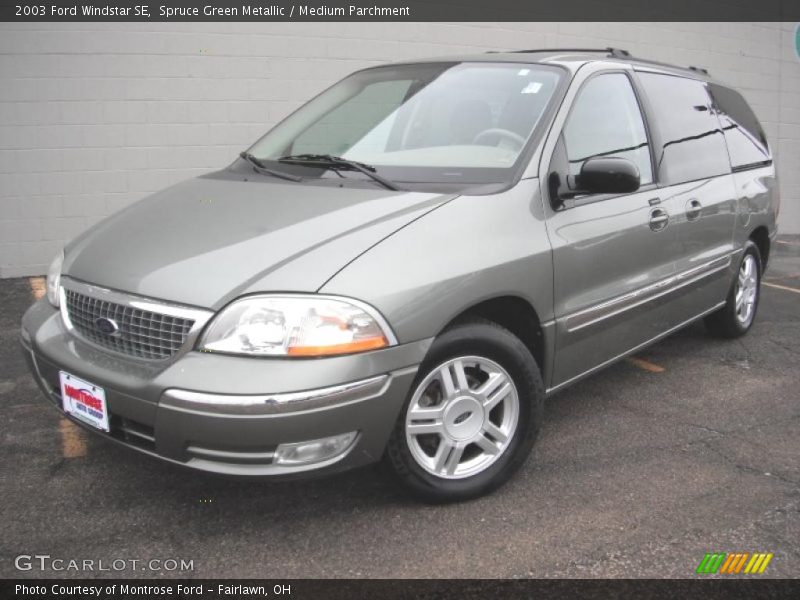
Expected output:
(141, 333)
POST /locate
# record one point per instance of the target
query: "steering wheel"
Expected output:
(518, 140)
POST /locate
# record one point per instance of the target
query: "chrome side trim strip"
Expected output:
(262, 404)
(634, 349)
(590, 316)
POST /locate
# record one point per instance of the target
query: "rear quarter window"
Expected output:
(747, 143)
(692, 145)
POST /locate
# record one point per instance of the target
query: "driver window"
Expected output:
(605, 120)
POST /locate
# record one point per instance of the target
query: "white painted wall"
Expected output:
(95, 116)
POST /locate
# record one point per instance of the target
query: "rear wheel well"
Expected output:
(516, 315)
(760, 237)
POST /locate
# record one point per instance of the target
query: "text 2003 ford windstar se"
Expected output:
(404, 268)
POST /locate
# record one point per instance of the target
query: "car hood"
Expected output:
(208, 240)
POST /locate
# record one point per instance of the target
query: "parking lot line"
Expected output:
(38, 287)
(73, 441)
(782, 287)
(645, 365)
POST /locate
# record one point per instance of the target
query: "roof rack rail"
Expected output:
(615, 52)
(612, 52)
(658, 63)
(619, 53)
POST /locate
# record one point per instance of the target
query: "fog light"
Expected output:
(313, 451)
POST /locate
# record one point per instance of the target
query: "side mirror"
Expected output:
(608, 175)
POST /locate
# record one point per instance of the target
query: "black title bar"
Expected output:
(401, 10)
(391, 589)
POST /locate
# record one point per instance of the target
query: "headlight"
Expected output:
(296, 326)
(54, 279)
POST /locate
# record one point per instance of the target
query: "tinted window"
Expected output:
(747, 143)
(692, 144)
(605, 120)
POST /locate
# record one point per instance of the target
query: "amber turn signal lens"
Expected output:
(349, 348)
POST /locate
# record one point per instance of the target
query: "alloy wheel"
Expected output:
(746, 290)
(462, 417)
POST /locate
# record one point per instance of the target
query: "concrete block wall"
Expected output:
(96, 116)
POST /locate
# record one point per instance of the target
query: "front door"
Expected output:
(613, 256)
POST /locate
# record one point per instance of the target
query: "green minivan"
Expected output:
(409, 264)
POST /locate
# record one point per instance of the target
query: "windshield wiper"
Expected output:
(262, 168)
(335, 162)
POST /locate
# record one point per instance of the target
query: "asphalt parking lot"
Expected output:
(691, 447)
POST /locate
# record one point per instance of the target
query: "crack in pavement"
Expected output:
(746, 468)
(758, 424)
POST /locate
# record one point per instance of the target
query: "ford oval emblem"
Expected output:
(106, 326)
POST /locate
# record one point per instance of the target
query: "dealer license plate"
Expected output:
(84, 401)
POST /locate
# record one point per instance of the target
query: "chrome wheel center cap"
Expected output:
(463, 418)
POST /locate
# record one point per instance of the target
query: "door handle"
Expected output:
(659, 218)
(693, 209)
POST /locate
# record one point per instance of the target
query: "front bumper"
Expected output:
(228, 414)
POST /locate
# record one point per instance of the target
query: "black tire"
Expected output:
(479, 338)
(725, 322)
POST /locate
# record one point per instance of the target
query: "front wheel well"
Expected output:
(516, 315)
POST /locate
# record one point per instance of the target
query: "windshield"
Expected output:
(442, 122)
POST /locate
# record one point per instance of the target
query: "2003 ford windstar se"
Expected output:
(405, 268)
